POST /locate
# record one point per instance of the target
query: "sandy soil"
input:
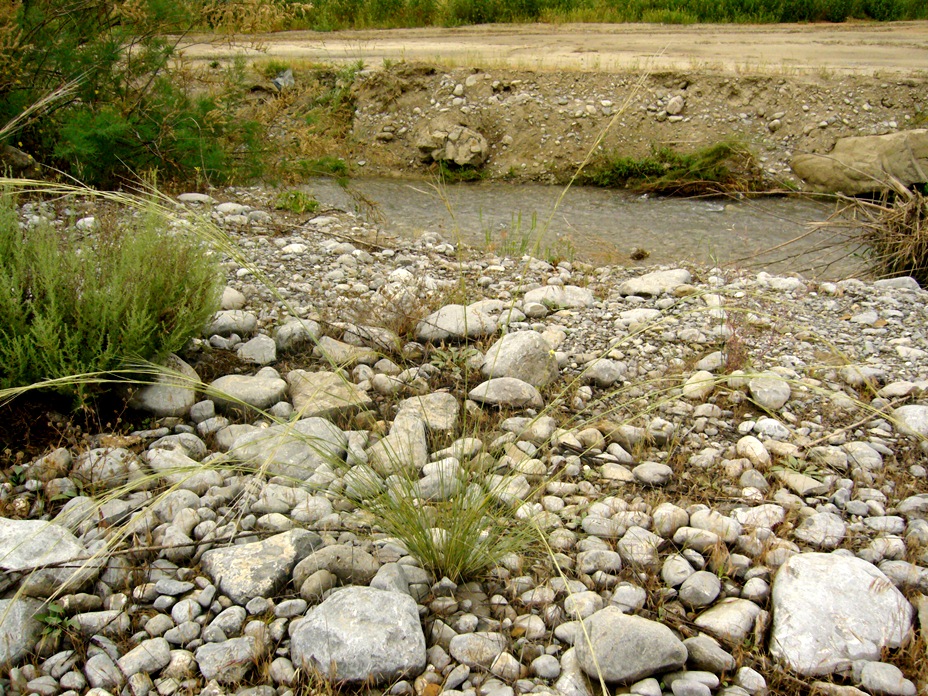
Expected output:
(900, 47)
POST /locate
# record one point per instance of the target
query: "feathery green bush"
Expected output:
(78, 301)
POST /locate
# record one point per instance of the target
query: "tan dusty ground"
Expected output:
(900, 47)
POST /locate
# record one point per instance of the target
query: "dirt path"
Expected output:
(852, 48)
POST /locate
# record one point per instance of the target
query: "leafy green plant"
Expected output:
(55, 622)
(78, 301)
(297, 202)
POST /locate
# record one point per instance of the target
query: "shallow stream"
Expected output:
(599, 225)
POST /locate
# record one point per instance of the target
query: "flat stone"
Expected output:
(655, 283)
(237, 392)
(294, 450)
(260, 350)
(232, 321)
(405, 448)
(731, 620)
(297, 333)
(28, 545)
(831, 609)
(149, 656)
(477, 650)
(770, 391)
(912, 420)
(507, 392)
(361, 634)
(19, 629)
(455, 322)
(348, 563)
(261, 568)
(624, 648)
(229, 661)
(823, 530)
(439, 410)
(325, 395)
(341, 354)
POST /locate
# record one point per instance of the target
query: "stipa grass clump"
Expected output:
(896, 233)
(91, 300)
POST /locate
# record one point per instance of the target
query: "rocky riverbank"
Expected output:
(728, 471)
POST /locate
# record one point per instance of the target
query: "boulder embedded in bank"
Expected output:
(867, 163)
(445, 139)
(360, 634)
(831, 609)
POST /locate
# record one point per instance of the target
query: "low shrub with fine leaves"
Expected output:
(77, 301)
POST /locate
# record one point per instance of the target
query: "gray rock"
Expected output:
(180, 470)
(231, 298)
(444, 139)
(653, 474)
(699, 385)
(604, 372)
(228, 662)
(882, 678)
(261, 568)
(19, 629)
(703, 652)
(345, 355)
(700, 589)
(261, 350)
(232, 321)
(455, 322)
(439, 410)
(360, 634)
(28, 545)
(824, 530)
(623, 648)
(770, 391)
(325, 394)
(655, 283)
(294, 450)
(149, 656)
(107, 467)
(866, 163)
(507, 392)
(171, 394)
(640, 547)
(404, 449)
(912, 420)
(560, 296)
(348, 563)
(524, 355)
(572, 682)
(102, 673)
(238, 392)
(477, 650)
(829, 609)
(730, 620)
(295, 334)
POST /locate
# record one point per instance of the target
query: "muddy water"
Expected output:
(605, 226)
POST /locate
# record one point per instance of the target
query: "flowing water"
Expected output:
(600, 225)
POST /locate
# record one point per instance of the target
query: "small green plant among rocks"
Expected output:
(297, 202)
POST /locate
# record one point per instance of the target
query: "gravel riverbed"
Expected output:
(728, 469)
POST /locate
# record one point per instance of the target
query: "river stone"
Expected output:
(700, 589)
(507, 392)
(882, 678)
(296, 333)
(293, 450)
(912, 420)
(172, 393)
(699, 386)
(348, 563)
(406, 448)
(867, 163)
(769, 391)
(261, 390)
(477, 650)
(703, 652)
(731, 620)
(655, 283)
(439, 410)
(823, 530)
(325, 394)
(103, 466)
(180, 470)
(261, 568)
(800, 484)
(560, 296)
(261, 350)
(229, 661)
(455, 322)
(524, 355)
(149, 656)
(232, 321)
(27, 545)
(340, 354)
(624, 648)
(19, 629)
(360, 634)
(831, 609)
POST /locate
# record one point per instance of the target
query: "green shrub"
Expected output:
(296, 202)
(127, 111)
(77, 301)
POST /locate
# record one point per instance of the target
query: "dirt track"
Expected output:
(867, 48)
